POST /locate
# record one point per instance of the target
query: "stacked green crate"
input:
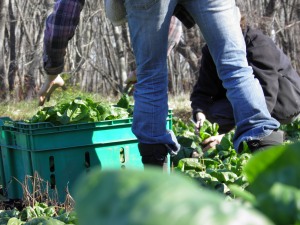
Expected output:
(59, 154)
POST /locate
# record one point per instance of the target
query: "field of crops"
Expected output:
(220, 187)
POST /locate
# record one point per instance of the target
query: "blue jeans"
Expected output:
(148, 22)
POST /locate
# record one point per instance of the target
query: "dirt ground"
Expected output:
(6, 204)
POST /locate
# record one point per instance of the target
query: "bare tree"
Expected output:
(99, 56)
(3, 54)
(12, 44)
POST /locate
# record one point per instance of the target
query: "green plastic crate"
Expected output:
(60, 153)
(61, 168)
(46, 136)
(17, 165)
(2, 179)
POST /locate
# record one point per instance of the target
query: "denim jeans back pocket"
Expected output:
(142, 4)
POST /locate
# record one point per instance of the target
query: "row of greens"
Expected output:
(39, 214)
(266, 183)
(268, 180)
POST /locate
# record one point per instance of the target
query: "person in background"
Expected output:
(148, 22)
(59, 30)
(273, 69)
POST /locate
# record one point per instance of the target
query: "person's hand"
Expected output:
(131, 79)
(211, 142)
(51, 83)
(200, 118)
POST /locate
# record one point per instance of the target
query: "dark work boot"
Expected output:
(153, 154)
(274, 139)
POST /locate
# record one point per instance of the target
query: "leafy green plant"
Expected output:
(79, 111)
(292, 131)
(218, 167)
(151, 197)
(39, 214)
(124, 101)
(208, 129)
(185, 132)
(6, 215)
(273, 177)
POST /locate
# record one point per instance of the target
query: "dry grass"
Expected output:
(36, 190)
(181, 106)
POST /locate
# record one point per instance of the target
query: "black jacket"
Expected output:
(279, 81)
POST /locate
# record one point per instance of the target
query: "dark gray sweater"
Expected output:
(279, 81)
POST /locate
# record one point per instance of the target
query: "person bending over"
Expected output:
(271, 67)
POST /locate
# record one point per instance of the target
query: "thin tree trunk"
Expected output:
(121, 56)
(3, 73)
(12, 45)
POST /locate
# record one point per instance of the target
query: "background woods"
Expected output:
(99, 57)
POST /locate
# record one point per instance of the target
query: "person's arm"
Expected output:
(59, 29)
(264, 58)
(208, 87)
